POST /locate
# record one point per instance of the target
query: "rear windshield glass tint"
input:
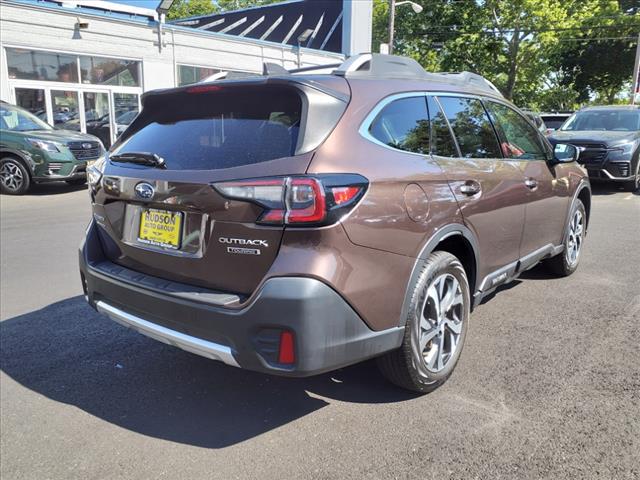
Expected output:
(223, 129)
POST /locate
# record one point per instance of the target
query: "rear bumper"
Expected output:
(328, 333)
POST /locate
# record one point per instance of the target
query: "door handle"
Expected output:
(470, 187)
(531, 183)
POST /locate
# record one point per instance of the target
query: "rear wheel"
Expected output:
(14, 177)
(435, 328)
(567, 262)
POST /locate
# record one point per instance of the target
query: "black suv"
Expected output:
(609, 138)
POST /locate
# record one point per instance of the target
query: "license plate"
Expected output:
(160, 228)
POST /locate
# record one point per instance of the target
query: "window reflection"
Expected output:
(110, 71)
(33, 100)
(471, 126)
(403, 124)
(33, 65)
(65, 110)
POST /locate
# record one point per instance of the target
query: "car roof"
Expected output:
(401, 73)
(611, 107)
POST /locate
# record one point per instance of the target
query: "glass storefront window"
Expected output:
(33, 100)
(126, 108)
(188, 74)
(97, 116)
(65, 110)
(33, 65)
(110, 71)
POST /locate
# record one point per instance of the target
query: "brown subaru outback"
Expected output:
(296, 222)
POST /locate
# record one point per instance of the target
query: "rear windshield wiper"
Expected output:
(141, 158)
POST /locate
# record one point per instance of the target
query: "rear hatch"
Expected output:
(170, 220)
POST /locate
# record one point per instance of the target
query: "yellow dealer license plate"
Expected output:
(160, 228)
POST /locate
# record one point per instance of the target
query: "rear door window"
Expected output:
(471, 127)
(209, 131)
(519, 139)
(403, 124)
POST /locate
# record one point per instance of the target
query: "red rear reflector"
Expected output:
(344, 194)
(204, 89)
(286, 354)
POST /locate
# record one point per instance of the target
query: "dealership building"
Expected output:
(83, 64)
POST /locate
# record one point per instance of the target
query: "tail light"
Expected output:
(300, 200)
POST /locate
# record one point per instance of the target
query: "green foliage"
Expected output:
(193, 8)
(190, 8)
(226, 5)
(542, 54)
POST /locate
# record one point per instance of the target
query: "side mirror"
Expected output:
(565, 153)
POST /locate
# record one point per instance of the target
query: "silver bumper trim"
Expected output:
(186, 342)
(611, 177)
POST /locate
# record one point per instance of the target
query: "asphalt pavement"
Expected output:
(548, 385)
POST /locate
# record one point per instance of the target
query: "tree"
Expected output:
(190, 8)
(523, 46)
(193, 8)
(598, 61)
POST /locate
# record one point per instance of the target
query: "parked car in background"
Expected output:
(297, 223)
(554, 121)
(536, 119)
(32, 151)
(609, 137)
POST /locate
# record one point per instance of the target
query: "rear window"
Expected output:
(221, 129)
(403, 124)
(554, 122)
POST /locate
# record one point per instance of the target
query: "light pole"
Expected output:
(162, 9)
(304, 36)
(635, 81)
(392, 17)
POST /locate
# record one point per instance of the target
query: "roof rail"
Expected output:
(472, 78)
(375, 65)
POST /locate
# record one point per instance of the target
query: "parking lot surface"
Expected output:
(548, 385)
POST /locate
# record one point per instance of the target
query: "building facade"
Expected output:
(84, 68)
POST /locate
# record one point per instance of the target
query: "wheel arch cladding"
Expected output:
(461, 248)
(585, 197)
(455, 239)
(4, 153)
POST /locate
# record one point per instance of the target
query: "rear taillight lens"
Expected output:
(301, 200)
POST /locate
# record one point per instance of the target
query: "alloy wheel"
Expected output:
(441, 317)
(11, 176)
(575, 238)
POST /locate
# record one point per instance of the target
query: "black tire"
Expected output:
(14, 177)
(408, 366)
(634, 185)
(76, 181)
(563, 265)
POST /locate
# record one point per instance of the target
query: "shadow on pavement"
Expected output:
(70, 354)
(53, 188)
(609, 188)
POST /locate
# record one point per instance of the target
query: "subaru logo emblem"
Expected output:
(144, 190)
(87, 146)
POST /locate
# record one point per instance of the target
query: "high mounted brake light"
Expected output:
(204, 89)
(300, 200)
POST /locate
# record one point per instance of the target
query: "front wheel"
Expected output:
(14, 177)
(634, 185)
(435, 329)
(567, 262)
